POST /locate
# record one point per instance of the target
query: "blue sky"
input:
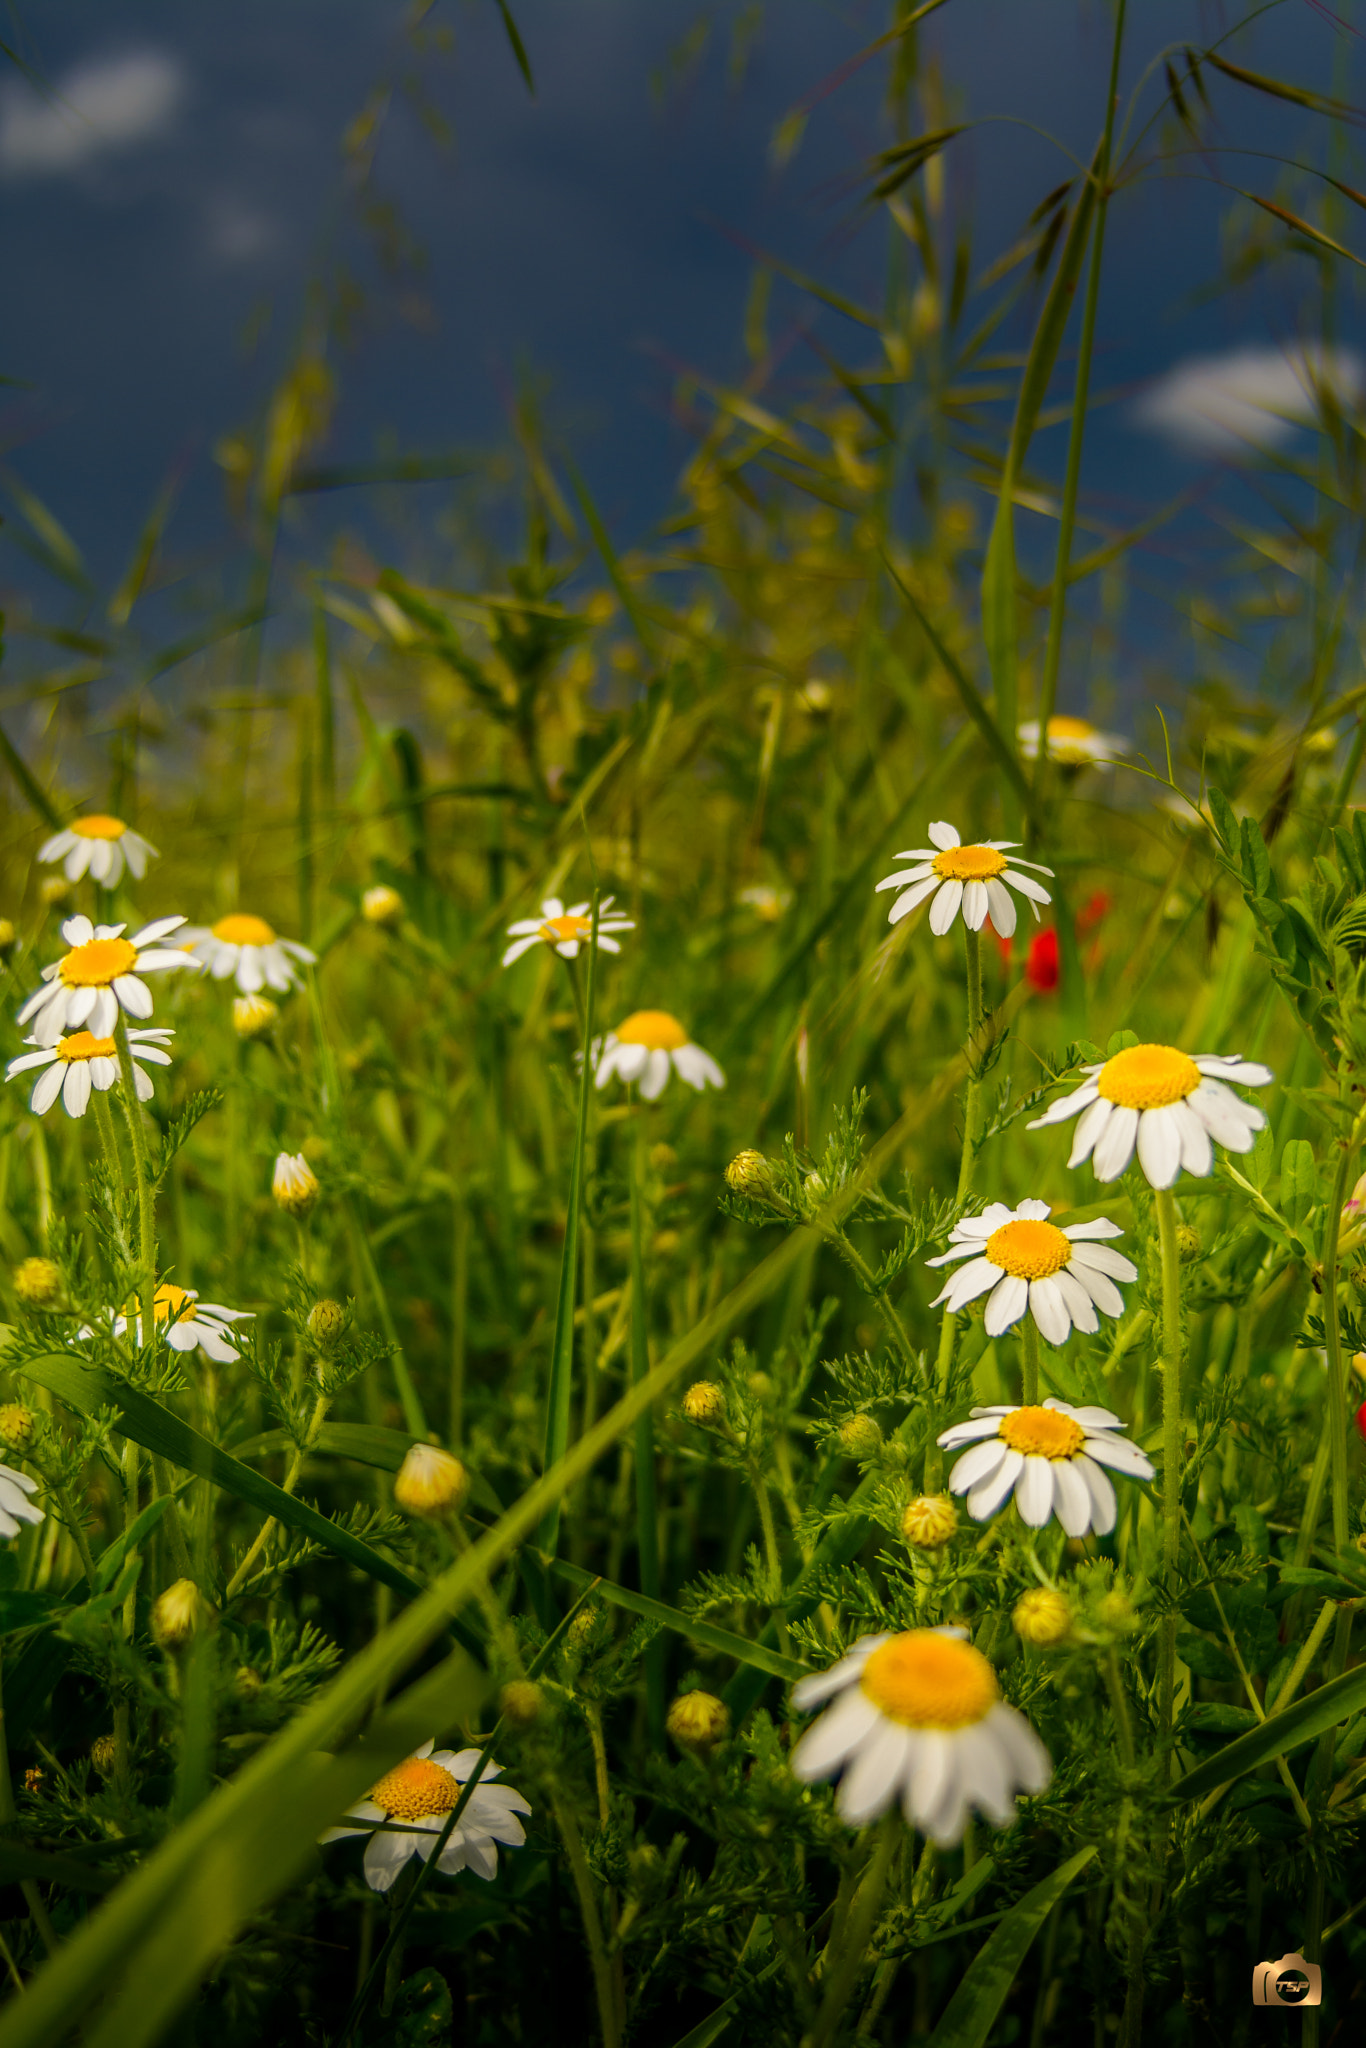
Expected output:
(595, 234)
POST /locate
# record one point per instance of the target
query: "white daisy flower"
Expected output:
(15, 1505)
(566, 930)
(1072, 742)
(643, 1049)
(405, 1812)
(250, 950)
(767, 903)
(187, 1323)
(104, 846)
(1173, 1105)
(99, 977)
(978, 879)
(920, 1717)
(1060, 1276)
(80, 1062)
(1050, 1458)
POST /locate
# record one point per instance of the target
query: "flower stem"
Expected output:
(858, 1931)
(647, 1503)
(934, 1457)
(1172, 1452)
(1030, 1379)
(592, 1923)
(239, 1577)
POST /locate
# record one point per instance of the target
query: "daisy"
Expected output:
(249, 949)
(80, 1062)
(1072, 742)
(974, 877)
(919, 1716)
(99, 977)
(406, 1811)
(187, 1323)
(1061, 1276)
(15, 1505)
(1050, 1458)
(566, 929)
(1175, 1107)
(102, 845)
(645, 1046)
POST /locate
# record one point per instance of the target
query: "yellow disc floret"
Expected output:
(240, 928)
(927, 1680)
(1148, 1077)
(83, 1045)
(98, 963)
(97, 826)
(415, 1789)
(556, 930)
(170, 1304)
(1061, 728)
(1042, 1433)
(653, 1028)
(969, 864)
(1030, 1249)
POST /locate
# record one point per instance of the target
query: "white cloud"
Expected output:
(1249, 398)
(102, 105)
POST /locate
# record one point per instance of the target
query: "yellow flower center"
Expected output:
(1070, 729)
(1148, 1077)
(1030, 1249)
(98, 962)
(653, 1028)
(80, 1045)
(170, 1304)
(240, 928)
(926, 1680)
(98, 827)
(556, 930)
(415, 1789)
(1042, 1433)
(969, 864)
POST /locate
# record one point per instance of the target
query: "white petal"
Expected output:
(47, 1088)
(104, 1016)
(78, 931)
(903, 876)
(79, 1004)
(1049, 1311)
(976, 904)
(1028, 1757)
(385, 1855)
(969, 1432)
(76, 1088)
(1066, 1106)
(836, 1735)
(985, 1768)
(929, 1774)
(1034, 1493)
(656, 1074)
(631, 1061)
(1119, 1454)
(1231, 1067)
(1007, 1304)
(1027, 885)
(969, 1281)
(1103, 1506)
(873, 1777)
(820, 1685)
(1224, 1116)
(989, 1494)
(1090, 1130)
(1159, 1147)
(1197, 1154)
(1098, 1288)
(912, 900)
(1079, 1304)
(1115, 1146)
(1034, 1212)
(1002, 908)
(27, 1060)
(943, 836)
(134, 995)
(944, 908)
(991, 1218)
(159, 928)
(977, 1464)
(1071, 1497)
(1089, 1418)
(1100, 1258)
(516, 950)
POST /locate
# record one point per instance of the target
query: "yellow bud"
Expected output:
(181, 1613)
(1042, 1617)
(430, 1483)
(520, 1702)
(253, 1016)
(6, 934)
(1188, 1245)
(295, 1185)
(697, 1721)
(327, 1321)
(930, 1521)
(705, 1404)
(17, 1425)
(860, 1436)
(53, 889)
(583, 1625)
(104, 1754)
(1359, 1362)
(381, 905)
(749, 1174)
(37, 1282)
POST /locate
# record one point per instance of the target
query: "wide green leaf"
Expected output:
(1308, 1717)
(973, 2010)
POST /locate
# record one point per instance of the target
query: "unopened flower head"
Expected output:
(180, 1614)
(8, 935)
(860, 1436)
(567, 930)
(381, 905)
(249, 950)
(930, 1521)
(54, 890)
(919, 1717)
(37, 1282)
(294, 1184)
(17, 1424)
(705, 1404)
(520, 1702)
(1173, 1106)
(749, 1173)
(1060, 1276)
(1042, 1617)
(186, 1322)
(408, 1809)
(99, 977)
(1188, 1245)
(1072, 742)
(649, 1045)
(697, 1721)
(327, 1323)
(1051, 1458)
(79, 1062)
(101, 846)
(253, 1016)
(977, 879)
(104, 1752)
(430, 1483)
(15, 1505)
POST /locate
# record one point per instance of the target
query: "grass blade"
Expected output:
(973, 2010)
(647, 1502)
(1332, 1704)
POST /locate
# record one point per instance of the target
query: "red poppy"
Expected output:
(1041, 961)
(1361, 1418)
(1042, 970)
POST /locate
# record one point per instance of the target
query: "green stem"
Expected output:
(871, 1286)
(647, 1503)
(857, 1934)
(934, 1457)
(291, 1480)
(414, 1420)
(1173, 1453)
(592, 1923)
(1030, 1379)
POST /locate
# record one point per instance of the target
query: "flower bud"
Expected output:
(1042, 1617)
(180, 1614)
(1188, 1245)
(104, 1752)
(1359, 1362)
(697, 1721)
(1116, 1611)
(749, 1174)
(295, 1185)
(7, 935)
(583, 1625)
(930, 1521)
(327, 1321)
(381, 905)
(253, 1016)
(430, 1483)
(17, 1425)
(705, 1404)
(860, 1436)
(37, 1282)
(53, 889)
(520, 1702)
(246, 1682)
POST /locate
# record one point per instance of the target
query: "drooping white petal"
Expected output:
(1027, 886)
(978, 1463)
(1118, 1453)
(1197, 1153)
(1071, 1497)
(1066, 1106)
(47, 1088)
(1104, 1510)
(1159, 1147)
(1099, 1288)
(1029, 1759)
(989, 1494)
(873, 1776)
(968, 1282)
(385, 1855)
(1002, 908)
(1090, 1130)
(1224, 1116)
(1049, 1311)
(656, 1074)
(976, 904)
(1080, 1305)
(1034, 1492)
(1101, 1258)
(1007, 1304)
(944, 908)
(912, 900)
(76, 1088)
(837, 1734)
(134, 995)
(1115, 1145)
